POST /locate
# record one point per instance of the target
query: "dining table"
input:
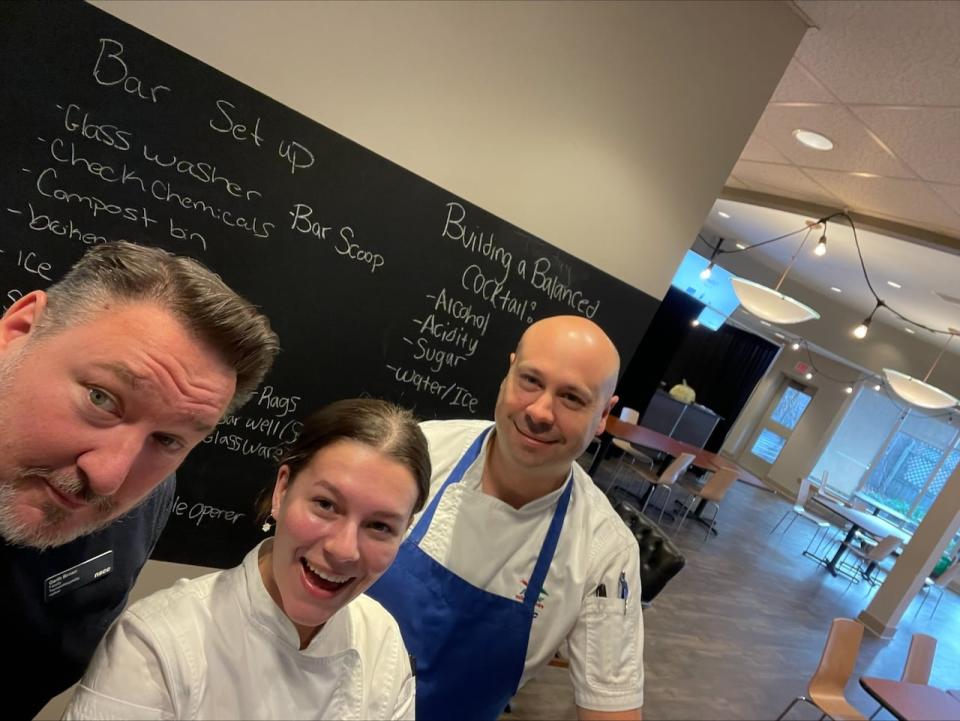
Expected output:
(912, 701)
(859, 521)
(648, 438)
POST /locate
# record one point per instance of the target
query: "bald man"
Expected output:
(518, 552)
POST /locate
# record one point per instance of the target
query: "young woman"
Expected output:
(287, 634)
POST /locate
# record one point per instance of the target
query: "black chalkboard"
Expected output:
(377, 281)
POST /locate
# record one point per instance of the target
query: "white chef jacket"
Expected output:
(494, 546)
(218, 647)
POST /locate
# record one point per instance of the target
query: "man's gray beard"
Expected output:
(49, 532)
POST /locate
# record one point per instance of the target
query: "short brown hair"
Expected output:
(195, 295)
(388, 428)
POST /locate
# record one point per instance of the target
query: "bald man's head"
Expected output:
(557, 394)
(580, 335)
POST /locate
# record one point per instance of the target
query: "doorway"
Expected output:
(776, 425)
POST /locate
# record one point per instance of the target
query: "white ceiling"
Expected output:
(882, 81)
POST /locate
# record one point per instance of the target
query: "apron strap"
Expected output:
(539, 575)
(473, 452)
(547, 550)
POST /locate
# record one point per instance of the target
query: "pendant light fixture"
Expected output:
(918, 392)
(769, 303)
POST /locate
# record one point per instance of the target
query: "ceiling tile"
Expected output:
(782, 180)
(798, 86)
(950, 193)
(853, 146)
(889, 53)
(910, 201)
(926, 139)
(735, 182)
(760, 150)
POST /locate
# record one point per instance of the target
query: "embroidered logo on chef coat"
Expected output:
(523, 593)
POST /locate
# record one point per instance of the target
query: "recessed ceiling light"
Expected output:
(911, 331)
(741, 246)
(722, 214)
(877, 387)
(813, 140)
(894, 284)
(865, 175)
(780, 335)
(835, 289)
(763, 322)
(808, 375)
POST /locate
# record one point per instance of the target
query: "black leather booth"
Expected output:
(660, 559)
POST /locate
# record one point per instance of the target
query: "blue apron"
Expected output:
(470, 645)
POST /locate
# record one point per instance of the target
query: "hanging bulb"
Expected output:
(860, 332)
(821, 248)
(707, 272)
(795, 345)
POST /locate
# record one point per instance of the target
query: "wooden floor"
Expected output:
(737, 633)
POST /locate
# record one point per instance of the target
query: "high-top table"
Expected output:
(912, 701)
(858, 520)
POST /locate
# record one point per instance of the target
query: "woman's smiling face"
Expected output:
(340, 522)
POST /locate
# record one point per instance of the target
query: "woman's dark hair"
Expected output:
(388, 428)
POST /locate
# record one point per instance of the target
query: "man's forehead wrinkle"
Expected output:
(164, 373)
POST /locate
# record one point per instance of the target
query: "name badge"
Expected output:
(78, 576)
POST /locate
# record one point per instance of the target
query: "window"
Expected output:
(768, 446)
(900, 457)
(792, 404)
(867, 424)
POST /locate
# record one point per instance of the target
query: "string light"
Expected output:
(860, 332)
(821, 249)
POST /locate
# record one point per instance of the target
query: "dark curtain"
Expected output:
(723, 367)
(668, 328)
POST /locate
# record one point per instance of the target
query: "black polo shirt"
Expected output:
(53, 622)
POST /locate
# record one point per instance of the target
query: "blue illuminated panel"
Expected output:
(716, 292)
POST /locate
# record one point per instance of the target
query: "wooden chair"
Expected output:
(826, 688)
(919, 661)
(712, 491)
(666, 479)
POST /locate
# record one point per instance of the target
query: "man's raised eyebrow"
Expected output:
(126, 375)
(122, 372)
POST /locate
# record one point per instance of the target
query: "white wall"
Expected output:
(605, 128)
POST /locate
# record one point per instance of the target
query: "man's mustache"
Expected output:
(69, 484)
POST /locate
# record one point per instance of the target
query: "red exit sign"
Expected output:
(801, 367)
